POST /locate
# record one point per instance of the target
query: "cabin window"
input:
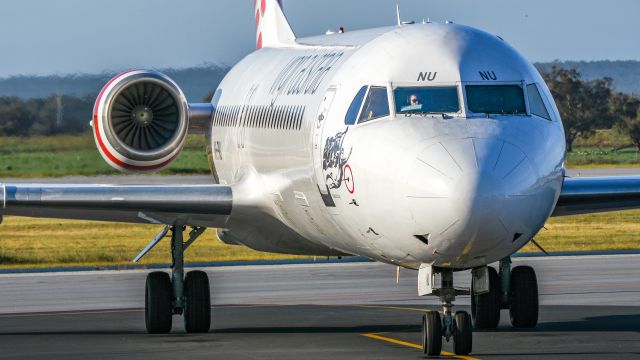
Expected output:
(535, 102)
(426, 100)
(376, 105)
(354, 108)
(496, 99)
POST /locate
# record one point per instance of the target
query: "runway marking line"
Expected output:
(412, 345)
(377, 336)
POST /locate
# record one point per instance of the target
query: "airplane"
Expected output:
(430, 146)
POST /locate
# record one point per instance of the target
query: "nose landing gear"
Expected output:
(450, 326)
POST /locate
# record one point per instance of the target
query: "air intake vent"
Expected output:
(140, 121)
(424, 238)
(145, 116)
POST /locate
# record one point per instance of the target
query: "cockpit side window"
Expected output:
(496, 99)
(352, 113)
(535, 102)
(376, 105)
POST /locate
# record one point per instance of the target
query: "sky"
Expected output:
(42, 37)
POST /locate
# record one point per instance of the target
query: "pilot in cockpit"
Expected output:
(414, 103)
(413, 100)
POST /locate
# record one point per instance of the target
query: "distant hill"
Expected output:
(625, 74)
(196, 83)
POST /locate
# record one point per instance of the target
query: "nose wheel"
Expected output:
(462, 333)
(431, 333)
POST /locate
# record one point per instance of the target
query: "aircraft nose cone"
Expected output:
(471, 195)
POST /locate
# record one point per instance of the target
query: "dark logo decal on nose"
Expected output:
(334, 159)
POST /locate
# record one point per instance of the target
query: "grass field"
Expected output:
(77, 155)
(602, 157)
(42, 242)
(57, 156)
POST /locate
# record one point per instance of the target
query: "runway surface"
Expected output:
(590, 310)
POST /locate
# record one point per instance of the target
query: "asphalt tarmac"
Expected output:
(590, 309)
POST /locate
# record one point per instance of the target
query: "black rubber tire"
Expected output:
(485, 308)
(431, 333)
(197, 310)
(524, 297)
(462, 333)
(157, 303)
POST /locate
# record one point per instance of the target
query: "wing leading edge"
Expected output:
(598, 194)
(194, 205)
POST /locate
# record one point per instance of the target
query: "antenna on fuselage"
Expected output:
(400, 22)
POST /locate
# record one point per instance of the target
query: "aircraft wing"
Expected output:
(585, 195)
(192, 205)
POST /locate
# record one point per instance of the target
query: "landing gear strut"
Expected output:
(450, 325)
(188, 296)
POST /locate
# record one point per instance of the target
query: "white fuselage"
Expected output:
(459, 190)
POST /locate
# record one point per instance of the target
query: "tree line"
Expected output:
(584, 105)
(53, 115)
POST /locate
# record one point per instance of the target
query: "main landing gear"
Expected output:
(513, 289)
(186, 295)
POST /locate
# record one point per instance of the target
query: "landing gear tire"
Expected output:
(462, 333)
(485, 308)
(197, 310)
(524, 297)
(431, 333)
(157, 303)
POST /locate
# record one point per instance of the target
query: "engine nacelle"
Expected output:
(140, 121)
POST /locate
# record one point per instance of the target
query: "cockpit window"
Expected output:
(425, 100)
(496, 99)
(376, 105)
(535, 102)
(352, 113)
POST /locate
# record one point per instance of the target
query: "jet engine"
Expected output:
(140, 121)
